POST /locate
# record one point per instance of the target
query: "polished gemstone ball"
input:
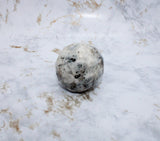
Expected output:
(79, 67)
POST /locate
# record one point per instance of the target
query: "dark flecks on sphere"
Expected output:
(77, 76)
(70, 60)
(78, 71)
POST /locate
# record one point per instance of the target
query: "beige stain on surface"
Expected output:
(56, 50)
(33, 126)
(49, 102)
(21, 139)
(17, 1)
(157, 117)
(48, 61)
(29, 114)
(142, 42)
(125, 111)
(6, 17)
(26, 74)
(15, 125)
(91, 4)
(75, 23)
(24, 48)
(77, 5)
(133, 27)
(1, 16)
(143, 12)
(4, 111)
(65, 106)
(13, 46)
(90, 42)
(113, 139)
(122, 1)
(4, 88)
(19, 100)
(69, 103)
(8, 115)
(55, 134)
(15, 5)
(39, 19)
(55, 20)
(157, 106)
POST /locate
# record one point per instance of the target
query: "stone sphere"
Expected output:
(79, 67)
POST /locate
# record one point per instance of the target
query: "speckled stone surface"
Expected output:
(79, 67)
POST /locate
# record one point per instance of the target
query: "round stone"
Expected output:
(79, 67)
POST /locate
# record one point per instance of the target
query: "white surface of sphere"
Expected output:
(79, 67)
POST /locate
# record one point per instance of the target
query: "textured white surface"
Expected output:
(126, 106)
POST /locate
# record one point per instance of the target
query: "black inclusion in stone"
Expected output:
(71, 60)
(59, 65)
(85, 85)
(73, 86)
(77, 76)
(79, 65)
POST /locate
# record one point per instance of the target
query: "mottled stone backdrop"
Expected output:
(125, 106)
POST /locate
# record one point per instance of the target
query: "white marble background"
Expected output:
(125, 106)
